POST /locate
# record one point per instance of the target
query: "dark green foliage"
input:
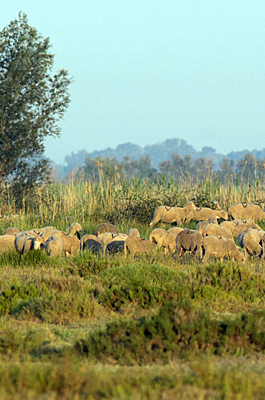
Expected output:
(178, 329)
(87, 264)
(151, 285)
(14, 294)
(31, 103)
(142, 284)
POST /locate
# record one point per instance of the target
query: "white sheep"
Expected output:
(212, 219)
(137, 245)
(248, 222)
(54, 246)
(216, 230)
(109, 237)
(74, 228)
(217, 247)
(163, 238)
(71, 244)
(246, 211)
(171, 214)
(32, 243)
(44, 229)
(20, 240)
(45, 235)
(201, 214)
(132, 232)
(106, 227)
(251, 241)
(12, 230)
(7, 243)
(235, 227)
(175, 230)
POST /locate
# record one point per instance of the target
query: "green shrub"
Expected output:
(177, 330)
(14, 294)
(146, 285)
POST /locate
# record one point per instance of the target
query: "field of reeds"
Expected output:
(102, 327)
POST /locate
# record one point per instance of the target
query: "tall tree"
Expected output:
(32, 101)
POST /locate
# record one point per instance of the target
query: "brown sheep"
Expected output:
(188, 240)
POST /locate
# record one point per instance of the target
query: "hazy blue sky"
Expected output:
(148, 70)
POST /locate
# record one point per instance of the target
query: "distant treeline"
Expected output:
(172, 156)
(248, 169)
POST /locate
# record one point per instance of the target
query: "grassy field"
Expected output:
(97, 327)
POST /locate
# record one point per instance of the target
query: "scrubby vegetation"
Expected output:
(107, 327)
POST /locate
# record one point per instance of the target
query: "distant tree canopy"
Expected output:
(246, 170)
(109, 168)
(31, 103)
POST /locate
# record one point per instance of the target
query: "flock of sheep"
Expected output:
(209, 239)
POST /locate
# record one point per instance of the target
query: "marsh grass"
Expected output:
(50, 306)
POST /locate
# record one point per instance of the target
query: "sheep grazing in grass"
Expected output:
(7, 243)
(20, 240)
(251, 242)
(171, 214)
(109, 237)
(248, 222)
(90, 242)
(71, 244)
(45, 235)
(246, 211)
(32, 243)
(212, 219)
(12, 230)
(137, 245)
(217, 247)
(132, 232)
(201, 214)
(54, 246)
(44, 229)
(163, 238)
(74, 228)
(106, 227)
(188, 240)
(216, 230)
(175, 230)
(235, 227)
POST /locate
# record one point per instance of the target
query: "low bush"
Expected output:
(178, 330)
